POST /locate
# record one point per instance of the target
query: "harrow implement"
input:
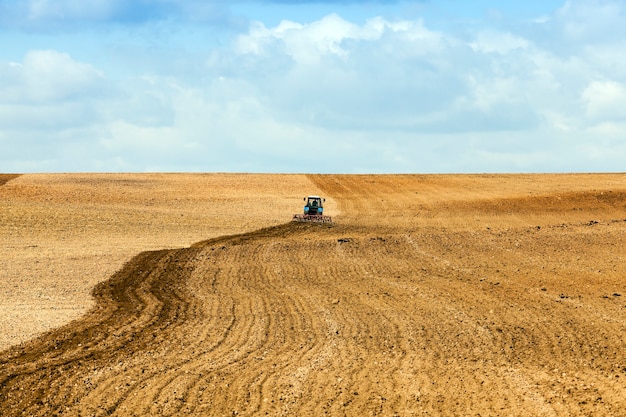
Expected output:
(311, 218)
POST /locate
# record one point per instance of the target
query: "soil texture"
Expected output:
(443, 295)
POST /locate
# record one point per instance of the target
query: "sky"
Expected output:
(347, 86)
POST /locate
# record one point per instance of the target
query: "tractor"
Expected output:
(313, 211)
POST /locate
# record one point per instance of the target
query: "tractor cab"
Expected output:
(314, 205)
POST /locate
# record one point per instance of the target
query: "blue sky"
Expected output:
(300, 86)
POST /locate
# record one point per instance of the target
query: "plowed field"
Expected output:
(451, 295)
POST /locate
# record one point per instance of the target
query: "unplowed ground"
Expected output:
(429, 295)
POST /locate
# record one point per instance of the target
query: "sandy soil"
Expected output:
(62, 234)
(441, 295)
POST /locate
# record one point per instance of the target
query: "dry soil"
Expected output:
(447, 295)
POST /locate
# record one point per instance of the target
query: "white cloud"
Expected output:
(333, 94)
(605, 101)
(396, 75)
(48, 76)
(502, 43)
(590, 21)
(332, 35)
(305, 44)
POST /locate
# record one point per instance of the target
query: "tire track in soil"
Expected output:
(489, 330)
(348, 319)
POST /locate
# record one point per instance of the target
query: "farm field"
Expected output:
(193, 294)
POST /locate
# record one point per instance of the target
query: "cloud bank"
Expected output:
(332, 94)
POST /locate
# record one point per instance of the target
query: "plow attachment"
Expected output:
(311, 218)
